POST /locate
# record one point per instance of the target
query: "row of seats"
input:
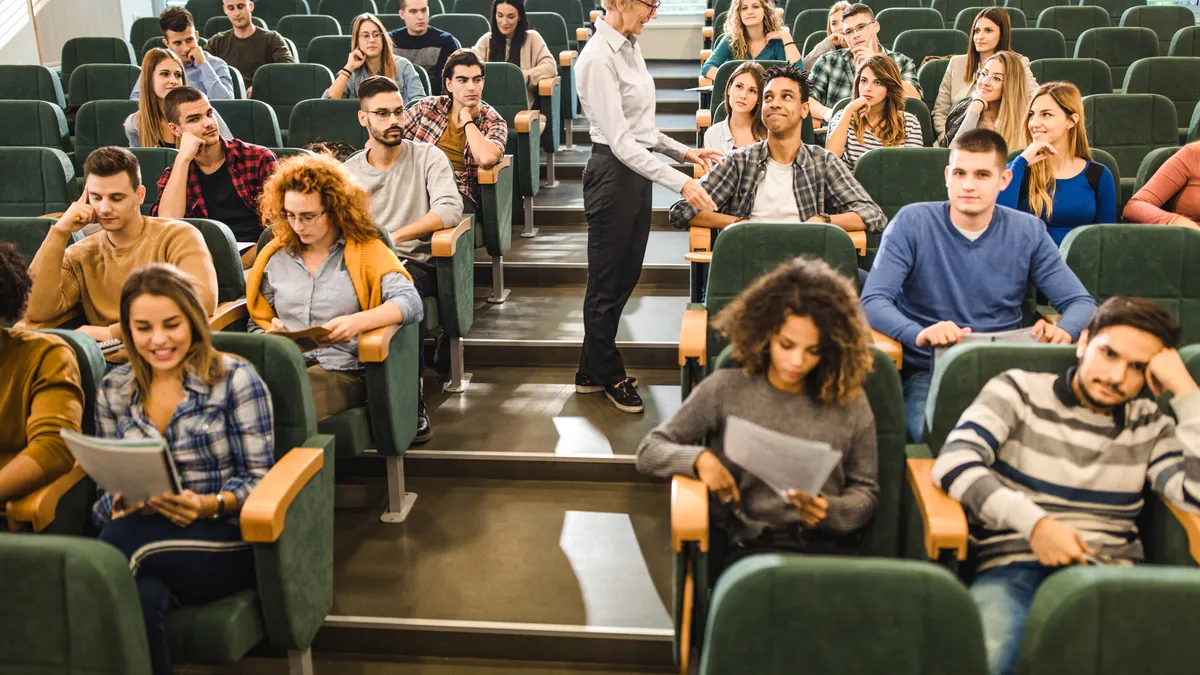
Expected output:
(1115, 9)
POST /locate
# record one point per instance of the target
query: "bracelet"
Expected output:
(789, 44)
(343, 70)
(220, 507)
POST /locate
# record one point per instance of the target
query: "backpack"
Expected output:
(1094, 172)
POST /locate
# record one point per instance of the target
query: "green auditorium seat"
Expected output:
(504, 90)
(23, 194)
(283, 85)
(1151, 164)
(930, 75)
(1176, 77)
(898, 176)
(924, 42)
(1039, 43)
(250, 120)
(271, 11)
(79, 610)
(1034, 8)
(26, 233)
(203, 10)
(1129, 126)
(719, 7)
(302, 29)
(814, 38)
(31, 83)
(481, 7)
(1115, 8)
(153, 161)
(327, 120)
(392, 22)
(554, 32)
(966, 17)
(808, 22)
(282, 153)
(78, 51)
(1186, 42)
(917, 107)
(221, 23)
(1092, 76)
(793, 8)
(33, 124)
(1072, 21)
(143, 29)
(1116, 46)
(895, 20)
(330, 51)
(345, 11)
(102, 82)
(231, 278)
(1164, 20)
(718, 28)
(721, 81)
(466, 28)
(950, 10)
(150, 43)
(842, 615)
(99, 123)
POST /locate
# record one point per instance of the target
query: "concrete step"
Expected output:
(563, 205)
(569, 164)
(558, 255)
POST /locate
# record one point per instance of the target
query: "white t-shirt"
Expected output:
(971, 236)
(775, 200)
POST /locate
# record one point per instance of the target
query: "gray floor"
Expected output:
(569, 196)
(425, 666)
(559, 245)
(555, 313)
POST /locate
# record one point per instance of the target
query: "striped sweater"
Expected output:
(1026, 448)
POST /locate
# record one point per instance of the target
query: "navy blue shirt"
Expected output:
(1076, 202)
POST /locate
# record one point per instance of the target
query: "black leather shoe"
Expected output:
(424, 430)
(585, 384)
(624, 396)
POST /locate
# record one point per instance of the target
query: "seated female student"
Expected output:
(1172, 195)
(875, 117)
(743, 123)
(162, 71)
(214, 413)
(1055, 177)
(833, 35)
(805, 350)
(327, 266)
(41, 396)
(511, 41)
(372, 53)
(991, 32)
(752, 32)
(997, 102)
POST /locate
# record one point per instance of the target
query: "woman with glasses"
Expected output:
(997, 102)
(328, 266)
(752, 32)
(617, 94)
(875, 117)
(511, 41)
(372, 53)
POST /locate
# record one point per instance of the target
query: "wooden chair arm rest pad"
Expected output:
(699, 239)
(595, 15)
(66, 317)
(581, 35)
(945, 520)
(704, 54)
(227, 313)
(693, 336)
(547, 85)
(1191, 525)
(567, 57)
(706, 32)
(698, 172)
(702, 257)
(703, 120)
(859, 239)
(444, 241)
(704, 81)
(708, 13)
(524, 120)
(890, 347)
(265, 511)
(373, 344)
(491, 175)
(689, 512)
(39, 506)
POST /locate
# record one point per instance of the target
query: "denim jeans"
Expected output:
(1003, 596)
(916, 391)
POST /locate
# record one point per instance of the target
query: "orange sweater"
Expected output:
(93, 271)
(41, 389)
(1173, 191)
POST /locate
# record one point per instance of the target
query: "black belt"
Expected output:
(602, 149)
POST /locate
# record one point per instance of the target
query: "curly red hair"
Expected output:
(345, 202)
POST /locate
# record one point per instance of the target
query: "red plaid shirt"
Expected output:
(249, 167)
(427, 120)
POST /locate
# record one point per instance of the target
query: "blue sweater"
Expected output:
(1075, 202)
(926, 271)
(774, 51)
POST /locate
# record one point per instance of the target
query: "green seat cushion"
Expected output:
(351, 431)
(218, 633)
(431, 314)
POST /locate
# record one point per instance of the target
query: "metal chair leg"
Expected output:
(499, 292)
(550, 181)
(300, 661)
(399, 501)
(569, 142)
(528, 231)
(458, 379)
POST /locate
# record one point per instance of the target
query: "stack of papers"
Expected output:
(781, 461)
(137, 469)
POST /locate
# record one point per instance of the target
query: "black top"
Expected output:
(224, 205)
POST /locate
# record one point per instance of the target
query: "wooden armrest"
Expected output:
(547, 85)
(445, 240)
(698, 171)
(699, 239)
(708, 14)
(945, 520)
(595, 15)
(373, 344)
(581, 35)
(890, 347)
(703, 257)
(265, 511)
(704, 81)
(524, 121)
(706, 32)
(55, 216)
(38, 507)
(567, 57)
(1191, 525)
(859, 240)
(491, 175)
(703, 120)
(227, 313)
(1052, 318)
(704, 54)
(693, 336)
(689, 512)
(70, 315)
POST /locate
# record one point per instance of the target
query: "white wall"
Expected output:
(18, 39)
(61, 20)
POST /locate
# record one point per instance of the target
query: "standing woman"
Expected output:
(875, 117)
(617, 94)
(752, 32)
(743, 123)
(372, 53)
(511, 41)
(162, 71)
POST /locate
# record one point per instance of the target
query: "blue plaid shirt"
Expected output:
(221, 436)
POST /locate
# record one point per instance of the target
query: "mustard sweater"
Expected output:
(41, 395)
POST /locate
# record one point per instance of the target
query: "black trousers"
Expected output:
(617, 203)
(424, 277)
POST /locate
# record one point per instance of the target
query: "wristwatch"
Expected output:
(220, 507)
(825, 218)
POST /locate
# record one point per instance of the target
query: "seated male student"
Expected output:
(246, 46)
(781, 179)
(832, 76)
(469, 131)
(426, 46)
(1050, 468)
(204, 71)
(211, 177)
(945, 269)
(413, 193)
(93, 271)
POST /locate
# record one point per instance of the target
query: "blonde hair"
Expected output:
(387, 61)
(1014, 98)
(150, 115)
(735, 32)
(1041, 176)
(836, 8)
(891, 132)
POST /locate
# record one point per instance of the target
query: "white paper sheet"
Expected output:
(781, 461)
(136, 469)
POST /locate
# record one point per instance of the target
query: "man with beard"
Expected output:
(413, 192)
(246, 46)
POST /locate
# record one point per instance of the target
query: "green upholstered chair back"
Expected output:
(91, 370)
(1115, 8)
(719, 27)
(918, 108)
(930, 77)
(721, 80)
(146, 27)
(808, 22)
(1186, 42)
(867, 616)
(33, 124)
(1119, 47)
(100, 123)
(814, 38)
(217, 24)
(466, 28)
(1152, 163)
(950, 9)
(895, 20)
(153, 162)
(481, 7)
(504, 90)
(1033, 8)
(1071, 21)
(961, 373)
(251, 121)
(281, 365)
(1164, 20)
(572, 12)
(326, 120)
(393, 22)
(102, 81)
(895, 177)
(922, 42)
(1129, 126)
(794, 7)
(26, 233)
(34, 181)
(966, 17)
(150, 43)
(31, 83)
(283, 85)
(79, 609)
(330, 51)
(1176, 77)
(1040, 43)
(1151, 261)
(281, 153)
(345, 11)
(203, 10)
(81, 50)
(1092, 76)
(301, 29)
(553, 30)
(231, 280)
(271, 11)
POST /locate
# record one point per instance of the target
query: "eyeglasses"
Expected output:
(982, 76)
(653, 6)
(304, 218)
(385, 115)
(370, 36)
(851, 32)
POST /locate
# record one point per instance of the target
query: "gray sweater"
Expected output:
(852, 489)
(420, 181)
